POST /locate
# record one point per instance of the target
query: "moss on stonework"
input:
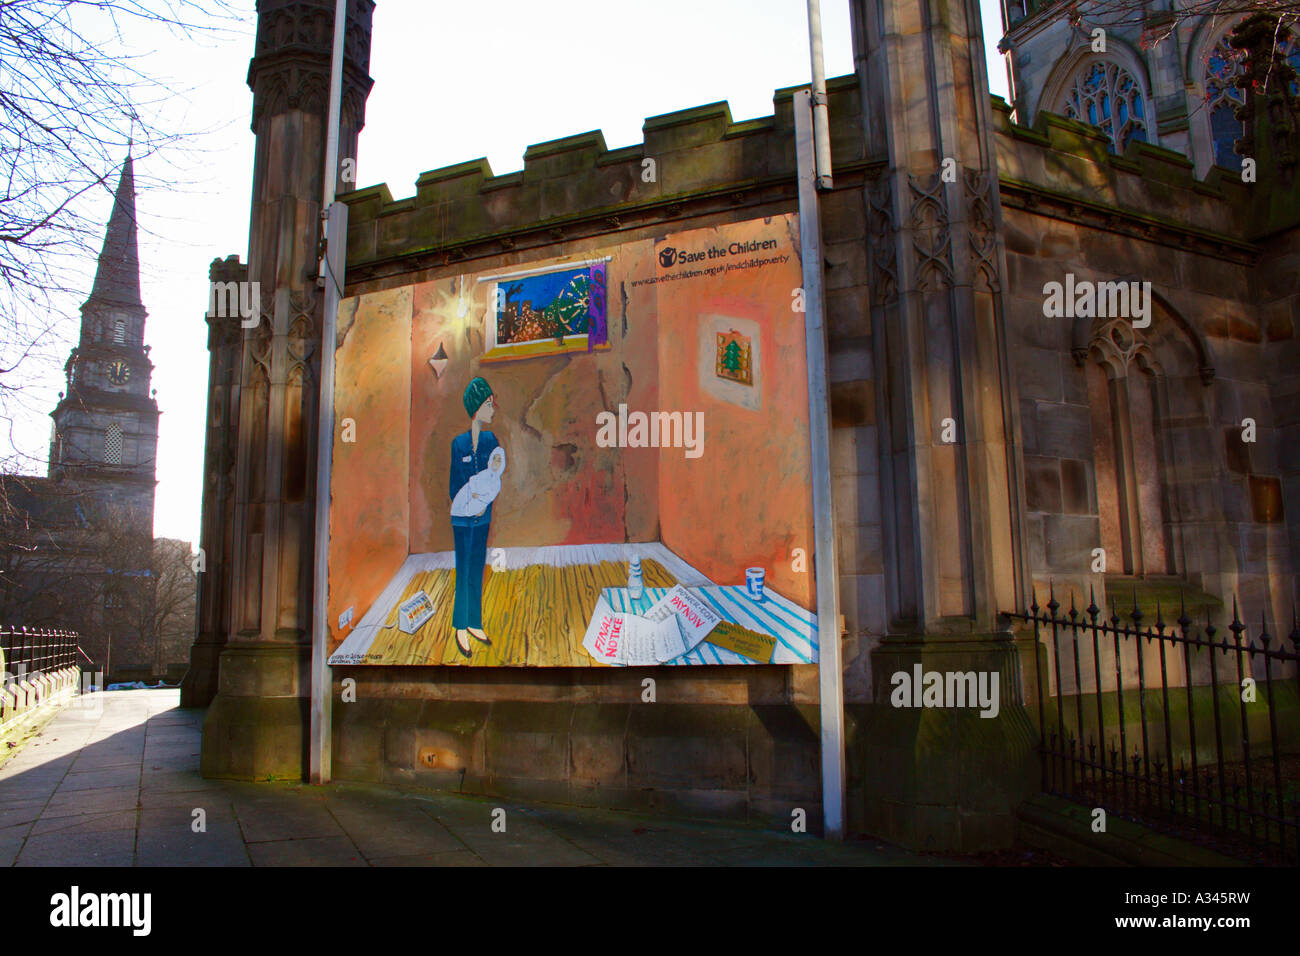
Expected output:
(255, 738)
(1158, 598)
(1281, 692)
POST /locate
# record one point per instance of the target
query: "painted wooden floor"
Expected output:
(362, 644)
(538, 602)
(535, 615)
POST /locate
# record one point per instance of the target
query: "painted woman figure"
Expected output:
(471, 452)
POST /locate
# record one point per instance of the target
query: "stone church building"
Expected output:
(993, 434)
(77, 549)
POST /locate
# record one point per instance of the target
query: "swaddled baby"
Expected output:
(482, 488)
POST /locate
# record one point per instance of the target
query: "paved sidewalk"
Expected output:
(118, 785)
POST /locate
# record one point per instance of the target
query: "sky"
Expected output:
(453, 82)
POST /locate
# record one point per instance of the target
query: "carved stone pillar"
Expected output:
(212, 617)
(941, 777)
(257, 724)
(1271, 115)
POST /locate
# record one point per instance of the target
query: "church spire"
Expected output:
(117, 278)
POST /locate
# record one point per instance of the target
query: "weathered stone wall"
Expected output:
(213, 603)
(1276, 282)
(1074, 208)
(727, 743)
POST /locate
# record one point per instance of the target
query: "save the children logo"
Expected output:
(670, 256)
(714, 259)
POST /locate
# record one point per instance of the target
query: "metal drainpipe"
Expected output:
(820, 116)
(829, 667)
(334, 228)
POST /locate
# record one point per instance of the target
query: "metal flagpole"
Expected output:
(334, 219)
(830, 668)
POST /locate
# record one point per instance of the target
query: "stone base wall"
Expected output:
(741, 743)
(746, 763)
(256, 728)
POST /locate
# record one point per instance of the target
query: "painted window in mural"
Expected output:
(643, 502)
(1105, 95)
(541, 313)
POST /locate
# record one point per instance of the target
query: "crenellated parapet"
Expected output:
(691, 163)
(1062, 168)
(698, 161)
(224, 330)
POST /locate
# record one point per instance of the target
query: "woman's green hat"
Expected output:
(477, 392)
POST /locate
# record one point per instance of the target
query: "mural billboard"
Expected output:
(590, 461)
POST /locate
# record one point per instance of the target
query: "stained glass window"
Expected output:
(1221, 96)
(1105, 95)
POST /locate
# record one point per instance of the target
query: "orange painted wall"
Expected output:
(369, 510)
(747, 501)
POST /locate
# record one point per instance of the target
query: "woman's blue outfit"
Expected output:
(470, 533)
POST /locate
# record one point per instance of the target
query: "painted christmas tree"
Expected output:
(731, 357)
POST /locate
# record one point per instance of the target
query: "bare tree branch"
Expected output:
(71, 99)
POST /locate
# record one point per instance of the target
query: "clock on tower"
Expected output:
(119, 373)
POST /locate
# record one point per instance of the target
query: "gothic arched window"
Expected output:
(1125, 428)
(1105, 95)
(113, 445)
(1222, 95)
(1221, 99)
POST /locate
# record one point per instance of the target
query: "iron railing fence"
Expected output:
(37, 650)
(1211, 752)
